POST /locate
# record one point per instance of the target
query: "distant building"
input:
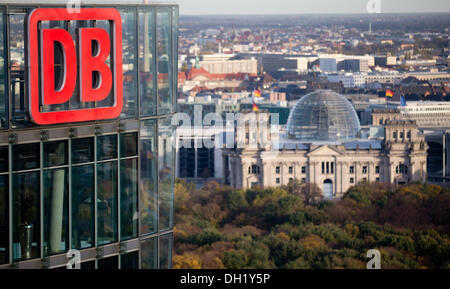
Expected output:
(322, 148)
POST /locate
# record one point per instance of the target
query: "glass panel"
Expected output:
(83, 207)
(4, 159)
(166, 161)
(165, 251)
(56, 211)
(3, 98)
(128, 145)
(26, 156)
(17, 58)
(149, 249)
(55, 153)
(164, 54)
(148, 185)
(26, 231)
(175, 54)
(130, 102)
(147, 61)
(90, 265)
(129, 260)
(4, 224)
(106, 147)
(107, 203)
(82, 150)
(109, 263)
(128, 199)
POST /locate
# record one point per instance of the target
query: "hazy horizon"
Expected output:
(300, 7)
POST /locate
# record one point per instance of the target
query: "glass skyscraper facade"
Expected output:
(104, 187)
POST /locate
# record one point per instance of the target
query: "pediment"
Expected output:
(325, 150)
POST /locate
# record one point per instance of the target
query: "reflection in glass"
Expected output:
(129, 261)
(89, 265)
(109, 263)
(129, 62)
(56, 211)
(26, 156)
(3, 103)
(106, 147)
(149, 250)
(82, 207)
(26, 231)
(128, 199)
(147, 61)
(17, 64)
(109, 100)
(4, 225)
(4, 159)
(55, 153)
(107, 203)
(128, 145)
(82, 150)
(165, 251)
(147, 184)
(164, 57)
(166, 161)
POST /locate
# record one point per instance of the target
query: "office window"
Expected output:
(106, 147)
(147, 62)
(352, 180)
(129, 62)
(408, 135)
(4, 159)
(3, 103)
(82, 206)
(26, 217)
(109, 263)
(26, 156)
(377, 169)
(129, 261)
(164, 59)
(377, 180)
(291, 170)
(82, 150)
(149, 251)
(332, 167)
(165, 251)
(166, 162)
(303, 180)
(107, 203)
(56, 211)
(394, 135)
(364, 170)
(352, 170)
(402, 135)
(303, 170)
(277, 170)
(128, 145)
(278, 180)
(55, 154)
(128, 199)
(148, 185)
(323, 168)
(89, 265)
(4, 220)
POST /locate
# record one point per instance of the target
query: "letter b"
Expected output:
(92, 62)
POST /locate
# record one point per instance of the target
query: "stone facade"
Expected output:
(335, 167)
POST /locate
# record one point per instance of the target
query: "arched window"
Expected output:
(254, 169)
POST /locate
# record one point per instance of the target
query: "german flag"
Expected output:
(255, 107)
(257, 93)
(389, 93)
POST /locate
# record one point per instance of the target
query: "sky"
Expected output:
(208, 7)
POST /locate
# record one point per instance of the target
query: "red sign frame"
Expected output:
(82, 115)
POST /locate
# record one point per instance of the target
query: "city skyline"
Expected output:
(250, 7)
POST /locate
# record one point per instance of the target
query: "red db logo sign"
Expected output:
(85, 68)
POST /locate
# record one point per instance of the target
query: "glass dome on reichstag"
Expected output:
(323, 115)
